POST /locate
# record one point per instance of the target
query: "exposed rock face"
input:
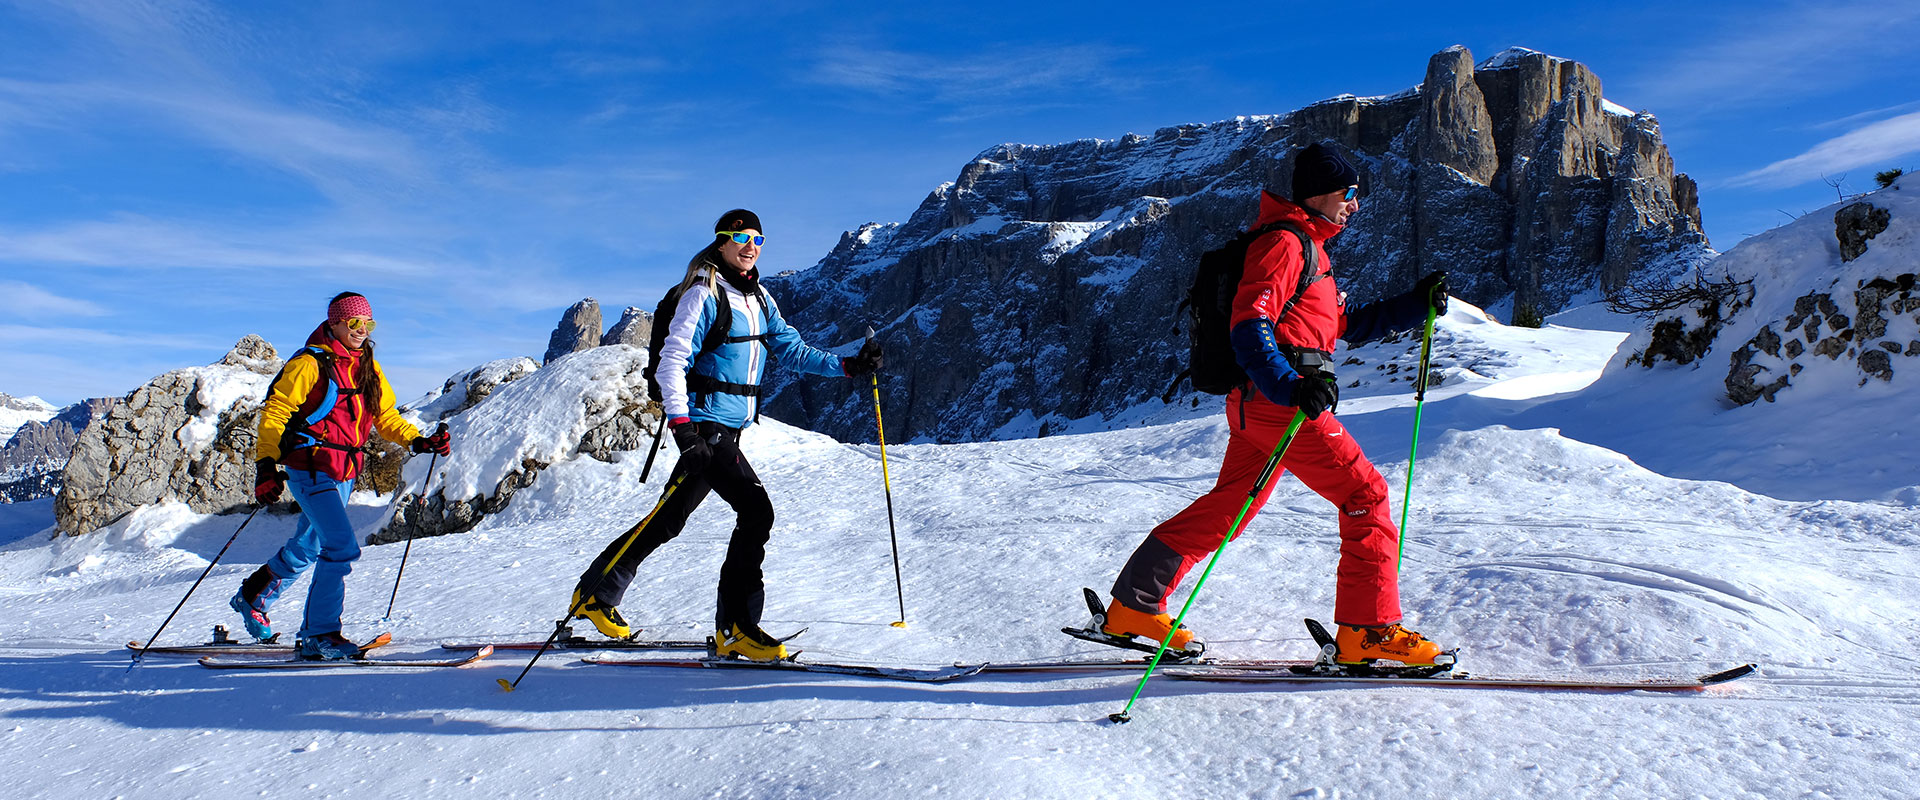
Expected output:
(1768, 362)
(31, 463)
(579, 330)
(1041, 284)
(187, 436)
(1855, 225)
(634, 328)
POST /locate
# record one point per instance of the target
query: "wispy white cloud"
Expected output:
(11, 335)
(1869, 145)
(998, 77)
(26, 301)
(138, 242)
(1863, 116)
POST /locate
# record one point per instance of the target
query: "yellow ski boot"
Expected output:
(748, 642)
(604, 617)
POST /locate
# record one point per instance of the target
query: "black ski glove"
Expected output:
(1434, 289)
(1314, 394)
(869, 359)
(439, 443)
(268, 481)
(695, 452)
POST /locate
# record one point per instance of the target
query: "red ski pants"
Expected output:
(1330, 463)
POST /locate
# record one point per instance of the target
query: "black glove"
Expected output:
(695, 452)
(1434, 289)
(268, 481)
(439, 443)
(867, 360)
(1316, 393)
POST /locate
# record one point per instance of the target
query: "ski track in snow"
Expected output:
(1535, 553)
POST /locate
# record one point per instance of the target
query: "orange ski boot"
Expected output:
(1123, 621)
(1364, 644)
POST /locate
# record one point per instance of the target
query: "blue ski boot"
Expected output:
(256, 594)
(327, 647)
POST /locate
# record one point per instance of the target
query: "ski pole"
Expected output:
(408, 550)
(1419, 404)
(657, 430)
(142, 652)
(597, 582)
(886, 480)
(1266, 474)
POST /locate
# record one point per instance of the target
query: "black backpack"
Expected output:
(1209, 308)
(717, 334)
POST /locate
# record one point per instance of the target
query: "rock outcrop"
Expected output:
(185, 436)
(579, 330)
(1041, 284)
(634, 328)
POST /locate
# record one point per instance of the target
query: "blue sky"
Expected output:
(175, 175)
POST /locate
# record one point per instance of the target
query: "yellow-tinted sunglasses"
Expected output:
(360, 324)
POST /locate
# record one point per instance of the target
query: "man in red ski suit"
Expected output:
(1287, 355)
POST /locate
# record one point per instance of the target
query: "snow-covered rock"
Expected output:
(186, 436)
(17, 411)
(1824, 303)
(590, 403)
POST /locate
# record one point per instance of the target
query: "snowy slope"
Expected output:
(1533, 551)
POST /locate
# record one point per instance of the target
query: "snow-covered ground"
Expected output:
(1533, 550)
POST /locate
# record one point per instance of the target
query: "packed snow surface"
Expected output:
(1534, 551)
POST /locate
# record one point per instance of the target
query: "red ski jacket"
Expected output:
(1273, 274)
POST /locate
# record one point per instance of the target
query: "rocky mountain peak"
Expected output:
(1040, 284)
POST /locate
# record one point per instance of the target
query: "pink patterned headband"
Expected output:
(349, 307)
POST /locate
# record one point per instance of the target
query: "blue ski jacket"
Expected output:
(721, 385)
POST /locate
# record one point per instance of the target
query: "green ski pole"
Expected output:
(1266, 474)
(1419, 404)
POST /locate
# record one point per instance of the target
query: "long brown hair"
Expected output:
(365, 378)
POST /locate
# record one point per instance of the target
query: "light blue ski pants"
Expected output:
(322, 539)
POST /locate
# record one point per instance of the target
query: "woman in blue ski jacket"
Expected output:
(709, 387)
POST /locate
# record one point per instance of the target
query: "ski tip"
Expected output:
(1733, 674)
(900, 624)
(504, 684)
(1119, 718)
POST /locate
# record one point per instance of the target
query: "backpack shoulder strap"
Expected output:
(1309, 265)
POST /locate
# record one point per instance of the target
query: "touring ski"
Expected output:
(213, 662)
(568, 640)
(224, 645)
(935, 675)
(1461, 679)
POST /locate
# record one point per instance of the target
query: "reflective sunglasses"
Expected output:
(1352, 192)
(361, 324)
(743, 238)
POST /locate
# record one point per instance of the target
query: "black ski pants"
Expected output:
(742, 587)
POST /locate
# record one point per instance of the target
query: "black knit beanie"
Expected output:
(1318, 170)
(739, 219)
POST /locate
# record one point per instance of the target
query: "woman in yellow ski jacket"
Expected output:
(317, 420)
